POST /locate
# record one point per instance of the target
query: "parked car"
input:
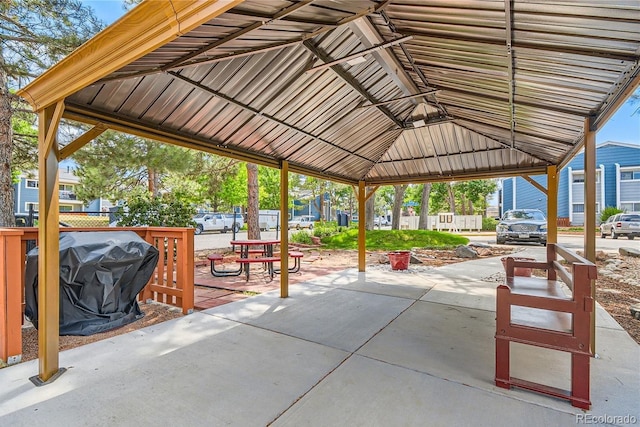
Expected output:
(380, 220)
(522, 225)
(304, 221)
(215, 221)
(626, 224)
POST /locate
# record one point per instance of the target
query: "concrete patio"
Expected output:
(356, 349)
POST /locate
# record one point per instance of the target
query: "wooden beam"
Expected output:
(148, 26)
(371, 192)
(284, 229)
(552, 204)
(590, 210)
(48, 246)
(52, 130)
(536, 184)
(362, 249)
(82, 140)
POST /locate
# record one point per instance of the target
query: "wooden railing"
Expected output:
(171, 282)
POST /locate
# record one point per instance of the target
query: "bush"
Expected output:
(489, 224)
(301, 237)
(609, 211)
(161, 211)
(325, 228)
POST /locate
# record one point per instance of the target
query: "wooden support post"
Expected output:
(284, 229)
(552, 204)
(49, 246)
(590, 210)
(362, 254)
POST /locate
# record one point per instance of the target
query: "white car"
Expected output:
(380, 220)
(305, 221)
(214, 221)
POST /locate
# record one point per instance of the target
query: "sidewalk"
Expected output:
(345, 349)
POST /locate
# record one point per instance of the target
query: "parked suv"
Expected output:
(522, 225)
(621, 225)
(215, 221)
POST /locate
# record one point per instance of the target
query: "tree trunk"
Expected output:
(253, 214)
(368, 212)
(152, 180)
(424, 207)
(7, 217)
(321, 202)
(452, 198)
(398, 199)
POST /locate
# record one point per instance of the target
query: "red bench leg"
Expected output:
(503, 377)
(580, 372)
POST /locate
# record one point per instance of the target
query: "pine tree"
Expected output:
(34, 34)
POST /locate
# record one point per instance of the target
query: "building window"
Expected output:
(630, 175)
(66, 208)
(578, 208)
(630, 206)
(31, 183)
(27, 206)
(65, 187)
(578, 178)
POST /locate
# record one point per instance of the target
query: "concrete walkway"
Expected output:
(346, 349)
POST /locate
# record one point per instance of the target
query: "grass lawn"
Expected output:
(390, 240)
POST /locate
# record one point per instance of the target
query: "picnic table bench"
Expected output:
(264, 256)
(561, 322)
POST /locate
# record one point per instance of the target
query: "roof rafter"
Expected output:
(522, 44)
(259, 113)
(256, 25)
(247, 52)
(347, 78)
(504, 144)
(508, 14)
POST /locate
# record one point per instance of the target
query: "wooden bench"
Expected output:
(563, 323)
(221, 273)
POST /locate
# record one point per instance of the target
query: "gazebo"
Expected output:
(363, 92)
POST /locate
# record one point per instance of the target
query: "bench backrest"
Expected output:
(581, 269)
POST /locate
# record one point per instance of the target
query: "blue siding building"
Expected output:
(25, 193)
(617, 184)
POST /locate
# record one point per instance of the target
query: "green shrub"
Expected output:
(489, 224)
(160, 211)
(302, 237)
(609, 211)
(325, 228)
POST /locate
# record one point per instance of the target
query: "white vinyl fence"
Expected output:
(444, 222)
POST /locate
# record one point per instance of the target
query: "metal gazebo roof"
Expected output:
(359, 90)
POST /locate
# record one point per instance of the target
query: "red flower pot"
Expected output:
(399, 260)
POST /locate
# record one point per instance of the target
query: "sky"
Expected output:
(623, 126)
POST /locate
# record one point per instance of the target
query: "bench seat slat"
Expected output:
(537, 286)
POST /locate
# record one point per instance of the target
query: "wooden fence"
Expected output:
(171, 283)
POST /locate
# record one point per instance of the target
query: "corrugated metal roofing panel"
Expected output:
(570, 60)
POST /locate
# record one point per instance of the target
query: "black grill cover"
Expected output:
(101, 273)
